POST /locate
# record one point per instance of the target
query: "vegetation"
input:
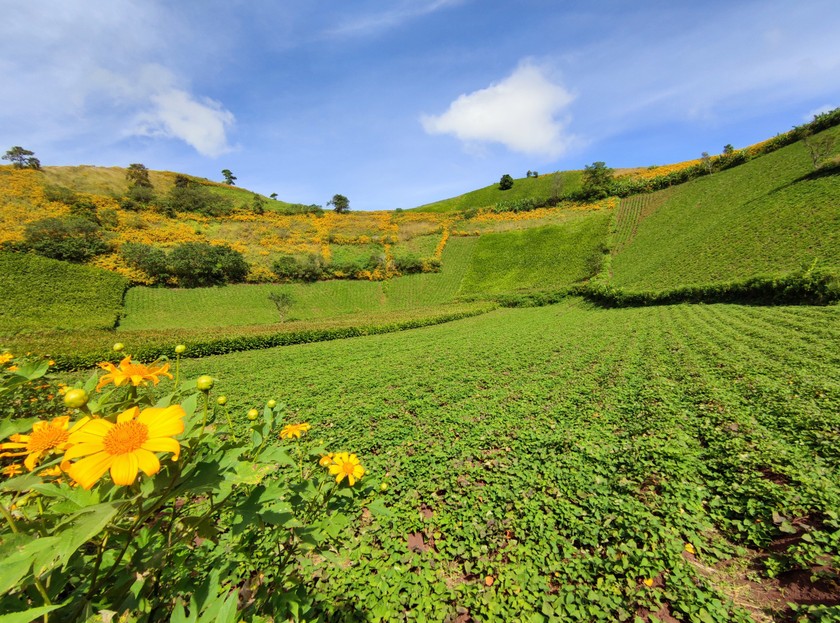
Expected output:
(22, 158)
(72, 238)
(340, 204)
(506, 183)
(41, 294)
(230, 178)
(541, 258)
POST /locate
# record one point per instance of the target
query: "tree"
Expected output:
(229, 177)
(819, 147)
(257, 205)
(505, 182)
(22, 158)
(340, 204)
(68, 238)
(728, 150)
(706, 160)
(273, 196)
(198, 264)
(597, 179)
(138, 175)
(528, 174)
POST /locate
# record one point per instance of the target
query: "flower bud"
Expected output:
(180, 349)
(204, 383)
(76, 398)
(221, 401)
(271, 404)
(253, 414)
(118, 347)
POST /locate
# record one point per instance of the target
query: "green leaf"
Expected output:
(377, 508)
(28, 615)
(20, 483)
(276, 454)
(86, 525)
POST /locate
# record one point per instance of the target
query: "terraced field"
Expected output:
(578, 464)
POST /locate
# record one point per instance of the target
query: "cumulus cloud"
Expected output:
(521, 112)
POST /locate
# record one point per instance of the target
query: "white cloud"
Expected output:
(520, 112)
(404, 11)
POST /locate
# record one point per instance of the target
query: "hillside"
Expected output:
(768, 216)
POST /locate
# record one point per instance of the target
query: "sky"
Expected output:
(398, 103)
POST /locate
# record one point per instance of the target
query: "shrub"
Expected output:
(141, 194)
(147, 258)
(198, 264)
(506, 182)
(84, 208)
(69, 238)
(408, 264)
(188, 196)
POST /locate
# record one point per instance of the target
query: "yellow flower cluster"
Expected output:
(658, 171)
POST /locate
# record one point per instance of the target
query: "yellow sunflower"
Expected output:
(345, 464)
(135, 373)
(12, 470)
(45, 438)
(124, 447)
(326, 460)
(6, 358)
(294, 430)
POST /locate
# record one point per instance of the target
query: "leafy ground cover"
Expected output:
(768, 216)
(158, 308)
(540, 258)
(42, 294)
(579, 464)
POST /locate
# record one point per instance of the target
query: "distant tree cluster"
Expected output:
(22, 158)
(533, 174)
(193, 264)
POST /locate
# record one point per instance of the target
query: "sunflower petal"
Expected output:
(164, 422)
(147, 461)
(31, 461)
(83, 449)
(124, 469)
(92, 431)
(163, 444)
(87, 471)
(128, 415)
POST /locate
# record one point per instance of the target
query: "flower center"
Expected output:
(348, 468)
(46, 438)
(126, 437)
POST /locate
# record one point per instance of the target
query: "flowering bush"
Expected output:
(144, 500)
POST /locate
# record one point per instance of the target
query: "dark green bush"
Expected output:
(147, 258)
(285, 267)
(68, 238)
(198, 264)
(192, 197)
(141, 194)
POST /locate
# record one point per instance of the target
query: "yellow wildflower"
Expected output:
(46, 437)
(690, 548)
(326, 460)
(135, 373)
(345, 464)
(12, 470)
(6, 358)
(125, 447)
(294, 430)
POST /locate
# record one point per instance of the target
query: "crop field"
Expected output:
(577, 464)
(159, 308)
(547, 257)
(41, 294)
(768, 216)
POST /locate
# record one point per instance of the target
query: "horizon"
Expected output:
(404, 106)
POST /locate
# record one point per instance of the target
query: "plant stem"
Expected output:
(13, 526)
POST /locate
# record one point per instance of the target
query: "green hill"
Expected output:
(543, 187)
(768, 216)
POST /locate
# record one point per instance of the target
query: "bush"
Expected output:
(147, 258)
(285, 267)
(141, 194)
(198, 264)
(506, 182)
(188, 196)
(408, 264)
(69, 238)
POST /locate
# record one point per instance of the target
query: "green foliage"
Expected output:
(570, 453)
(150, 259)
(597, 180)
(283, 301)
(767, 217)
(189, 196)
(198, 264)
(506, 182)
(541, 258)
(69, 238)
(41, 294)
(252, 508)
(22, 158)
(138, 175)
(229, 177)
(340, 204)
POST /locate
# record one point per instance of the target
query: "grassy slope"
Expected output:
(548, 425)
(543, 258)
(158, 308)
(41, 294)
(541, 187)
(767, 216)
(111, 181)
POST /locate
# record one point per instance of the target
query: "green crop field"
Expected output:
(42, 294)
(544, 258)
(160, 308)
(543, 187)
(560, 461)
(768, 216)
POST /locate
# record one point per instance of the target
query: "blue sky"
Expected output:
(403, 102)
